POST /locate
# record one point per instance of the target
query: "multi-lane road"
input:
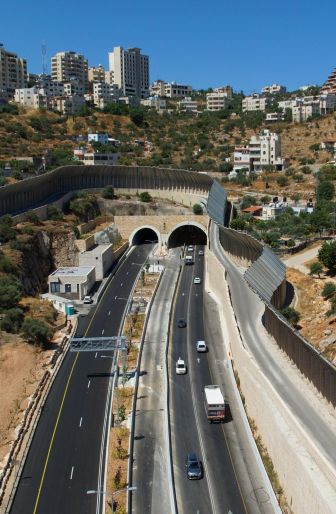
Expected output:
(66, 457)
(219, 491)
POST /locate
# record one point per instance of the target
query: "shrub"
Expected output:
(292, 315)
(328, 290)
(316, 268)
(54, 214)
(36, 331)
(238, 224)
(108, 192)
(145, 197)
(32, 217)
(282, 181)
(197, 209)
(11, 320)
(327, 254)
(10, 291)
(6, 265)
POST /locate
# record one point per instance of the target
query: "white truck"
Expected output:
(214, 403)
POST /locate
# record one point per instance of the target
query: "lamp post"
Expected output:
(112, 493)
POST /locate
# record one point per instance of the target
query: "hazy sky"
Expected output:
(206, 44)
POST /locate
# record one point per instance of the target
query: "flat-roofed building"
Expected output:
(72, 282)
(274, 89)
(130, 71)
(96, 73)
(217, 101)
(187, 105)
(255, 102)
(13, 72)
(100, 257)
(174, 90)
(92, 158)
(155, 102)
(70, 65)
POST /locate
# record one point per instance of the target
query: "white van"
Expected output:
(188, 260)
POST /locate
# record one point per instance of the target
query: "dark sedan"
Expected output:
(194, 467)
(181, 323)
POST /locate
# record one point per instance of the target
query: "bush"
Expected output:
(328, 290)
(327, 254)
(108, 192)
(197, 209)
(238, 224)
(32, 217)
(11, 320)
(316, 268)
(145, 197)
(291, 315)
(6, 265)
(10, 292)
(325, 190)
(54, 214)
(36, 331)
(225, 167)
(282, 181)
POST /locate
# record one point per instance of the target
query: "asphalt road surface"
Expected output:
(219, 491)
(66, 457)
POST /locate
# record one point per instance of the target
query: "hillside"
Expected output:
(183, 140)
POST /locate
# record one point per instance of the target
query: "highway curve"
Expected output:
(66, 454)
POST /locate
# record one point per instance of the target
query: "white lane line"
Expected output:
(89, 384)
(109, 313)
(103, 331)
(72, 470)
(96, 355)
(80, 423)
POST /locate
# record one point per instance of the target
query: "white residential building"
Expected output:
(67, 104)
(273, 210)
(302, 112)
(13, 72)
(98, 137)
(109, 77)
(263, 150)
(174, 90)
(104, 93)
(158, 88)
(307, 106)
(188, 105)
(275, 116)
(217, 101)
(96, 73)
(155, 102)
(30, 97)
(274, 89)
(94, 158)
(73, 87)
(131, 71)
(255, 102)
(70, 65)
(226, 90)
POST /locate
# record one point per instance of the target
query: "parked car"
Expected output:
(181, 323)
(197, 280)
(87, 299)
(181, 368)
(200, 252)
(194, 467)
(201, 346)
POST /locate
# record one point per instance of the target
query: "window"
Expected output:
(67, 288)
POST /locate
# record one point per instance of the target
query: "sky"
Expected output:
(205, 44)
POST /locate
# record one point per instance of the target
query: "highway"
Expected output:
(66, 457)
(219, 491)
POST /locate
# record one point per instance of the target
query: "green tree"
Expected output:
(329, 290)
(11, 320)
(10, 292)
(325, 190)
(265, 199)
(282, 181)
(248, 200)
(108, 192)
(145, 197)
(225, 167)
(238, 224)
(36, 331)
(54, 214)
(327, 254)
(292, 315)
(316, 268)
(32, 217)
(296, 197)
(197, 209)
(137, 115)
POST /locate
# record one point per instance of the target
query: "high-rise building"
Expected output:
(70, 65)
(13, 72)
(97, 73)
(130, 71)
(330, 85)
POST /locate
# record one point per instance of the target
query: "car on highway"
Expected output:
(200, 252)
(190, 248)
(197, 280)
(181, 368)
(194, 467)
(201, 346)
(181, 323)
(87, 299)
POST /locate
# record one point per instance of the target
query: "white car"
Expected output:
(201, 346)
(197, 280)
(87, 299)
(181, 368)
(190, 248)
(200, 252)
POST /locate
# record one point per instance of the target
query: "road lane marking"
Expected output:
(89, 384)
(71, 474)
(80, 423)
(96, 355)
(53, 435)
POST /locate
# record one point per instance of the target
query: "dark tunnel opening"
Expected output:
(145, 235)
(187, 234)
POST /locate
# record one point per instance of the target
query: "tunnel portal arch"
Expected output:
(144, 234)
(187, 233)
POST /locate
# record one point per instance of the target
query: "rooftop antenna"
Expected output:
(44, 62)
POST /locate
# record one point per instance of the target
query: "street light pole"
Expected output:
(106, 493)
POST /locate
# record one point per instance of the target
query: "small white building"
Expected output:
(174, 90)
(255, 102)
(98, 137)
(217, 101)
(155, 102)
(273, 210)
(94, 158)
(100, 257)
(275, 116)
(274, 89)
(72, 282)
(187, 105)
(263, 150)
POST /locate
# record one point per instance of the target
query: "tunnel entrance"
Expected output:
(144, 235)
(186, 234)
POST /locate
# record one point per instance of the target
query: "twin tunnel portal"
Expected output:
(183, 234)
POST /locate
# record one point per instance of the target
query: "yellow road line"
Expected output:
(63, 399)
(53, 435)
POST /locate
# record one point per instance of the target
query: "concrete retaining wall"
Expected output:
(302, 477)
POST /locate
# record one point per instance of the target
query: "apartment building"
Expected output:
(93, 158)
(255, 102)
(70, 65)
(274, 89)
(263, 150)
(187, 105)
(330, 84)
(109, 77)
(158, 88)
(104, 93)
(155, 102)
(73, 87)
(67, 104)
(217, 101)
(30, 97)
(274, 116)
(305, 107)
(130, 71)
(96, 73)
(13, 72)
(226, 90)
(174, 90)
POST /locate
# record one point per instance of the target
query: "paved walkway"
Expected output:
(298, 260)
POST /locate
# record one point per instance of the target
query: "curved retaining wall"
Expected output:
(37, 191)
